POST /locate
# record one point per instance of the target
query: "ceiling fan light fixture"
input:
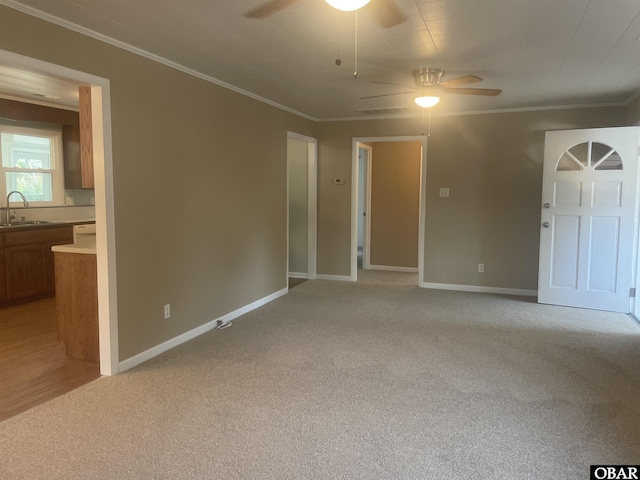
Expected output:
(347, 5)
(427, 101)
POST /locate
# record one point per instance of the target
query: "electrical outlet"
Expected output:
(167, 310)
(481, 268)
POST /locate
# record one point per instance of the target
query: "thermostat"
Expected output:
(338, 181)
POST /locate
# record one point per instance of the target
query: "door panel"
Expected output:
(566, 242)
(607, 194)
(603, 254)
(567, 193)
(588, 217)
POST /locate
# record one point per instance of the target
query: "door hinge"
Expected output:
(632, 293)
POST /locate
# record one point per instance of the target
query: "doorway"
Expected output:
(301, 208)
(103, 193)
(364, 204)
(363, 197)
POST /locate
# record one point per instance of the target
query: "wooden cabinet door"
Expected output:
(86, 137)
(3, 287)
(24, 269)
(71, 156)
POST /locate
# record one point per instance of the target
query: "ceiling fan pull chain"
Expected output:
(429, 122)
(338, 61)
(355, 72)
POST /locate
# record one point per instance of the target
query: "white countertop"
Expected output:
(85, 245)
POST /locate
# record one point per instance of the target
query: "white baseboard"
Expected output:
(478, 289)
(185, 337)
(340, 278)
(393, 269)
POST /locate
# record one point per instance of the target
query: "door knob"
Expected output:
(546, 205)
(546, 224)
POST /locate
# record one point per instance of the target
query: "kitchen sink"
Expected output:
(23, 224)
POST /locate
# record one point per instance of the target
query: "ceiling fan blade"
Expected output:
(489, 92)
(395, 84)
(385, 95)
(386, 13)
(269, 8)
(458, 82)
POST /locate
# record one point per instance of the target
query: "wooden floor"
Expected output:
(33, 365)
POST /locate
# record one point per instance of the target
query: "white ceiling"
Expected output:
(541, 53)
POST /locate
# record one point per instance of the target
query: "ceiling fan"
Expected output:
(385, 13)
(431, 87)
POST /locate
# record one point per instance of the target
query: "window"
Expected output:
(589, 154)
(31, 163)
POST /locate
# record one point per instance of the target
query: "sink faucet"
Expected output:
(7, 216)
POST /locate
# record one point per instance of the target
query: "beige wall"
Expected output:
(493, 167)
(298, 162)
(334, 160)
(199, 185)
(395, 203)
(632, 113)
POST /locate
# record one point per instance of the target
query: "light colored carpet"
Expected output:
(356, 381)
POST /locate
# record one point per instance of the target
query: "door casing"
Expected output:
(366, 208)
(104, 205)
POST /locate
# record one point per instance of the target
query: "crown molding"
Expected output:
(143, 53)
(189, 71)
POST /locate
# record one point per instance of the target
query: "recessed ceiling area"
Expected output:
(37, 88)
(541, 53)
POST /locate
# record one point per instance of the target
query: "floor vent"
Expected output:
(387, 111)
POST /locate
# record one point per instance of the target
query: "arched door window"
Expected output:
(597, 156)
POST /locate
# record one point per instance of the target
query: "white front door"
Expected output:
(588, 218)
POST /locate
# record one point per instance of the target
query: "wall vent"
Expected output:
(387, 111)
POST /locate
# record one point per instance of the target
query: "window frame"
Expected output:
(56, 170)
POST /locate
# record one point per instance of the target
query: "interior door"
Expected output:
(588, 216)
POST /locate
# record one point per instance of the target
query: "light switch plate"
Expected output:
(444, 192)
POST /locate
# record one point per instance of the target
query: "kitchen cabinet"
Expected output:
(27, 260)
(77, 146)
(86, 137)
(71, 155)
(49, 265)
(76, 277)
(3, 291)
(24, 271)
